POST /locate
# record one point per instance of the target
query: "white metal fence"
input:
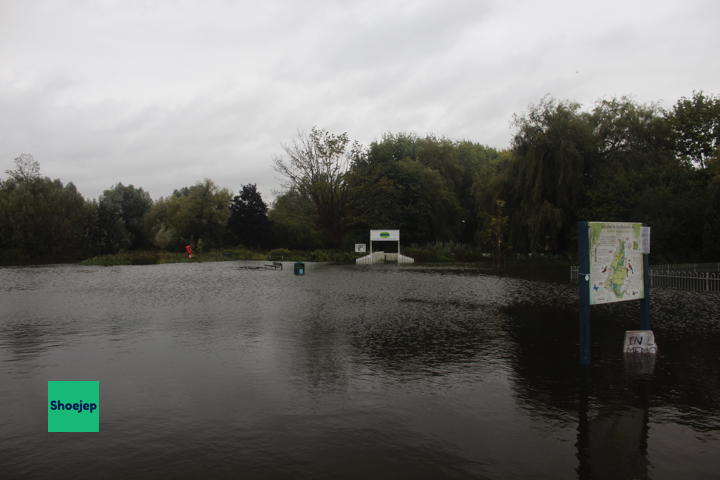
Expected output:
(687, 267)
(382, 257)
(685, 280)
(697, 277)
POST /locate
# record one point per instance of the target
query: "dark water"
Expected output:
(209, 371)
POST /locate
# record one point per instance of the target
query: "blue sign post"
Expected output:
(584, 291)
(645, 302)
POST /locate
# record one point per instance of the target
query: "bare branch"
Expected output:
(315, 164)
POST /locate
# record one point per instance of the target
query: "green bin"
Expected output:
(299, 268)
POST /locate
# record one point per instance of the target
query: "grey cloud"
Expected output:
(163, 94)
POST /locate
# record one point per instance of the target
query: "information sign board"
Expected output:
(616, 262)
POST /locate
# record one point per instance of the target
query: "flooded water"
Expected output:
(210, 371)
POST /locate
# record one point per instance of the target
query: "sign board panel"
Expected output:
(645, 240)
(360, 248)
(384, 235)
(616, 262)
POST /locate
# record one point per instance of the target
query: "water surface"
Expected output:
(209, 370)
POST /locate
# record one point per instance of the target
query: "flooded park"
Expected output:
(208, 370)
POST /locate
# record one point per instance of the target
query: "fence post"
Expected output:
(707, 281)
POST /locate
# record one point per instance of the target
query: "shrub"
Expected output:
(280, 254)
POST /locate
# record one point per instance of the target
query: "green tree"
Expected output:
(696, 127)
(396, 185)
(315, 167)
(159, 224)
(294, 222)
(633, 141)
(248, 223)
(198, 213)
(640, 178)
(461, 165)
(489, 185)
(711, 228)
(120, 211)
(617, 163)
(43, 219)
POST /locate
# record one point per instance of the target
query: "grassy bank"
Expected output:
(228, 254)
(435, 253)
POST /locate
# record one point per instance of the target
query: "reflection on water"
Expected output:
(612, 440)
(208, 370)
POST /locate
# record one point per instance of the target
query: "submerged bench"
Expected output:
(273, 266)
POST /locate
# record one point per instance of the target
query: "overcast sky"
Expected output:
(163, 94)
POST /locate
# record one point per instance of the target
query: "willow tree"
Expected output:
(553, 152)
(315, 165)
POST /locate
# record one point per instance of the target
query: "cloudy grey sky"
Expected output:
(162, 94)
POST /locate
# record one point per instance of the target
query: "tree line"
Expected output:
(617, 161)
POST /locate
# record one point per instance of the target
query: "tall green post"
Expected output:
(584, 291)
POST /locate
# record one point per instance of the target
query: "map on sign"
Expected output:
(616, 262)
